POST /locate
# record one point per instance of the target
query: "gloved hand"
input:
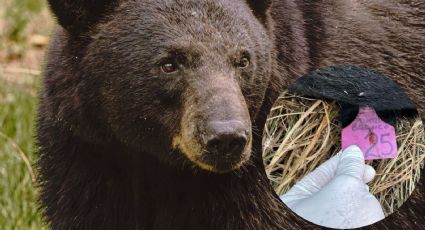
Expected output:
(335, 194)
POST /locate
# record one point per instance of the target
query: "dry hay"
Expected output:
(302, 133)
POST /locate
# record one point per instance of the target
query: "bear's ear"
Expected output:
(78, 15)
(260, 8)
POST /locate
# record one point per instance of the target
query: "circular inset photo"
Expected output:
(344, 146)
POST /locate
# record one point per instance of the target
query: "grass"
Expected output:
(18, 208)
(20, 57)
(302, 133)
(22, 22)
(18, 15)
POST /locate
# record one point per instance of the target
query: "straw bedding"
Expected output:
(302, 133)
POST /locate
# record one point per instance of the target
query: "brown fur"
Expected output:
(110, 121)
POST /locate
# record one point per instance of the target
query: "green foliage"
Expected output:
(19, 19)
(18, 193)
(17, 16)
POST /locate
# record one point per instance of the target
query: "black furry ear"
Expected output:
(77, 15)
(260, 8)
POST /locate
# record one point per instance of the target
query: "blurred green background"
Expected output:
(25, 26)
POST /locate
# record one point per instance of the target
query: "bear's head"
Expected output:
(180, 79)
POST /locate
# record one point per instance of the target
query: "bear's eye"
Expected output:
(244, 61)
(169, 67)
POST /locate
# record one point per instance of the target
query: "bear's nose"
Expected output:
(226, 140)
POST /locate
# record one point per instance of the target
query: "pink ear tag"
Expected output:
(374, 137)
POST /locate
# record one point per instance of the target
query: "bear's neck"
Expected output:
(115, 190)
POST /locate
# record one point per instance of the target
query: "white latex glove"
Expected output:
(335, 194)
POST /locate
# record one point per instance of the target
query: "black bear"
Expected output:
(152, 111)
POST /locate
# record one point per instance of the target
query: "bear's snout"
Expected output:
(225, 143)
(215, 127)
